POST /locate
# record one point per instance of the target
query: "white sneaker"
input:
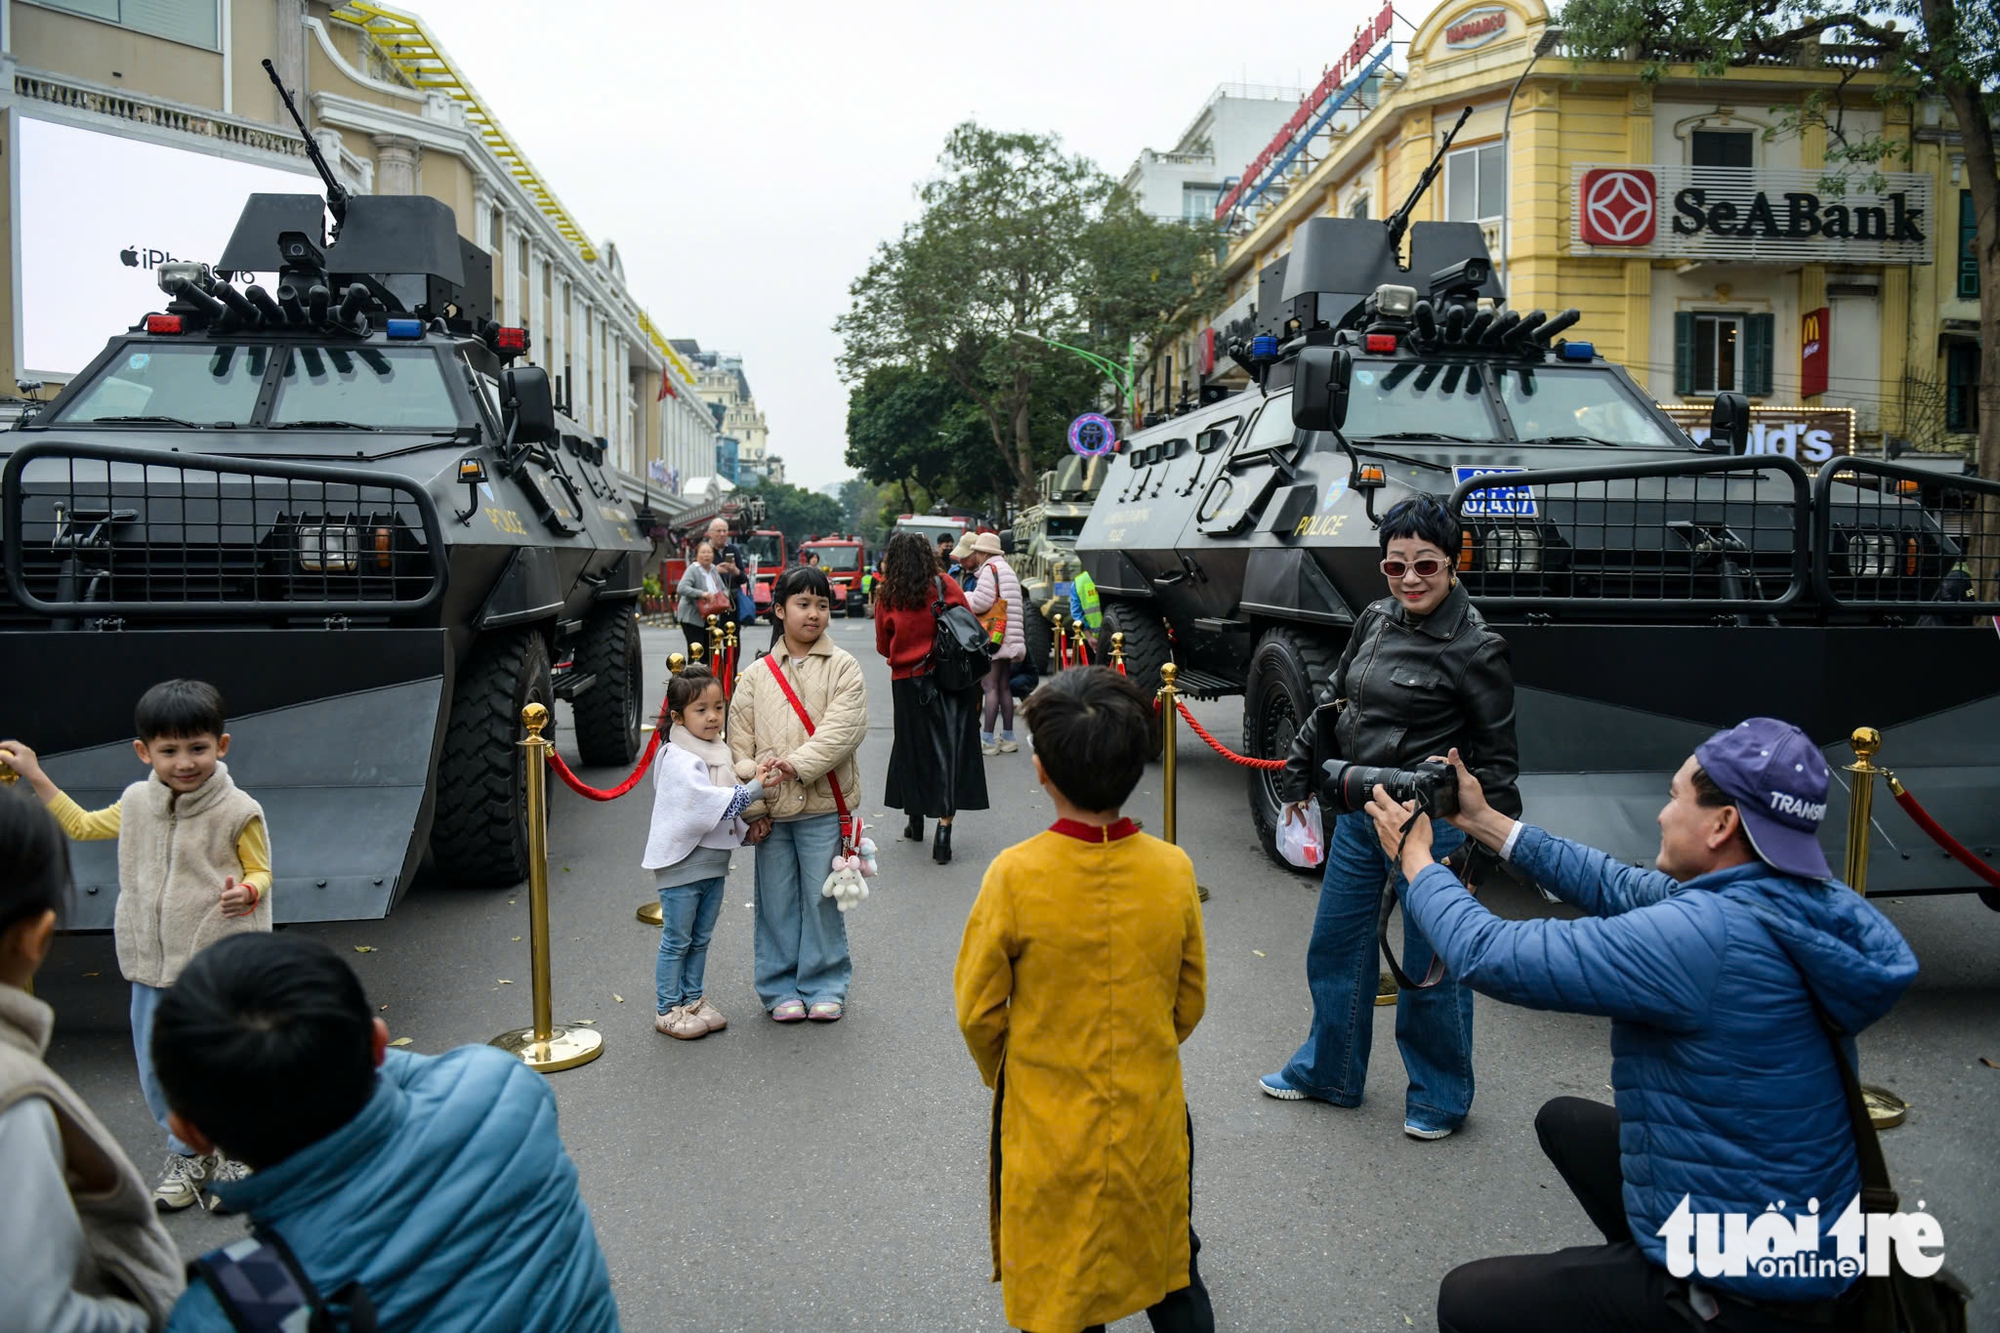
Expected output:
(222, 1171)
(1008, 747)
(180, 1183)
(988, 747)
(1417, 1131)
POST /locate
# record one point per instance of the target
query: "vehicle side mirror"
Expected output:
(1319, 388)
(527, 406)
(1729, 422)
(1006, 541)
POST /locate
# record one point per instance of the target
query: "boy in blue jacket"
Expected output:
(1714, 970)
(433, 1188)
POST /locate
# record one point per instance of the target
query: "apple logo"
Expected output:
(129, 256)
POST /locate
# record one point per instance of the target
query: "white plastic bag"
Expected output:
(1301, 836)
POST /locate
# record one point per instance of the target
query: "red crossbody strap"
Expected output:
(805, 720)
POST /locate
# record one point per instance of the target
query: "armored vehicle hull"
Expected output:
(1650, 589)
(353, 516)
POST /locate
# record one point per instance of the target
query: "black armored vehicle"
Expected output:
(340, 501)
(1651, 588)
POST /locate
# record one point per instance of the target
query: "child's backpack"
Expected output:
(263, 1288)
(961, 653)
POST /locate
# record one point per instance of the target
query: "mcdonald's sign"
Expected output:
(1815, 331)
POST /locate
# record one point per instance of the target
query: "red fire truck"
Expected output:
(763, 548)
(845, 560)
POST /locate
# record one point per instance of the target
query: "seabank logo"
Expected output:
(1776, 1245)
(1618, 207)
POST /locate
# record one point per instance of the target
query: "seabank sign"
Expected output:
(1749, 214)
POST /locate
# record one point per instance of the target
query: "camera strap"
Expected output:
(1387, 908)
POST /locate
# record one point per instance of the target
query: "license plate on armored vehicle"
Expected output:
(1495, 501)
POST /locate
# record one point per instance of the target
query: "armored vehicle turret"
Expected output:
(1651, 588)
(344, 501)
(1044, 549)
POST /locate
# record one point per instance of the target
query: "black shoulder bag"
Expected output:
(1900, 1302)
(961, 653)
(263, 1288)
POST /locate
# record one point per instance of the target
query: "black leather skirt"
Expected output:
(935, 767)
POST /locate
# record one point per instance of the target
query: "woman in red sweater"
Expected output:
(935, 768)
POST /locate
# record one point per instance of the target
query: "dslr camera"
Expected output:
(1433, 785)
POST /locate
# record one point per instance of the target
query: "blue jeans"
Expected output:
(688, 913)
(145, 999)
(1433, 1027)
(801, 939)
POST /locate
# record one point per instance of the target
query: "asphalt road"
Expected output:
(834, 1177)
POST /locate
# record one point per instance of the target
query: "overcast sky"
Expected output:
(748, 158)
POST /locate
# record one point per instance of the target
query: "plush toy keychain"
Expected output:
(845, 885)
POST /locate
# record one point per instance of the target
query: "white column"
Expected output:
(396, 160)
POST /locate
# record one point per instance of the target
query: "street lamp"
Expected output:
(1551, 38)
(1123, 376)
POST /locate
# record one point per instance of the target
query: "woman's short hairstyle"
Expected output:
(1423, 518)
(703, 545)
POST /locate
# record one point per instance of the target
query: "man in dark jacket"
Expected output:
(1714, 970)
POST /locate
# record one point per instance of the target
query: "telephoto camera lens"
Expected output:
(1432, 785)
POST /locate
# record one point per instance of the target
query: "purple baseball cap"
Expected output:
(1778, 779)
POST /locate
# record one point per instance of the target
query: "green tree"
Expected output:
(797, 512)
(1018, 241)
(861, 510)
(1948, 49)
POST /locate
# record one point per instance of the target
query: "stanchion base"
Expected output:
(566, 1048)
(1385, 990)
(651, 914)
(1885, 1109)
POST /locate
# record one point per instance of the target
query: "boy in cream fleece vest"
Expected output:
(194, 865)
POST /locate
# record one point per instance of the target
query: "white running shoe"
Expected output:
(180, 1183)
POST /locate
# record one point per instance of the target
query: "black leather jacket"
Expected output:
(1411, 687)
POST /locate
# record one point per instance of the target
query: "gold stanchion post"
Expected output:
(1118, 651)
(1169, 797)
(715, 662)
(649, 911)
(8, 777)
(729, 658)
(1061, 645)
(1885, 1109)
(544, 1047)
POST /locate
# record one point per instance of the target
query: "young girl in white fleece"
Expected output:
(696, 807)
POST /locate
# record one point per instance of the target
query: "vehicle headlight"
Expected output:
(1512, 550)
(327, 548)
(1870, 555)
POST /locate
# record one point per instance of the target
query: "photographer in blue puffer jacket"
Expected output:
(389, 1191)
(1710, 968)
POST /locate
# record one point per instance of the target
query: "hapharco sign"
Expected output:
(1748, 214)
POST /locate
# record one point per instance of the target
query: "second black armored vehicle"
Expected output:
(345, 502)
(1651, 588)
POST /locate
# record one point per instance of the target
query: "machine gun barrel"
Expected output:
(1399, 221)
(336, 194)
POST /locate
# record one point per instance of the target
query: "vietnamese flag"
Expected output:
(666, 387)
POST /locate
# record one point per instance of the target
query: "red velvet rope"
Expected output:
(581, 788)
(1268, 765)
(1959, 851)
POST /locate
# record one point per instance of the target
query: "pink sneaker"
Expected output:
(789, 1011)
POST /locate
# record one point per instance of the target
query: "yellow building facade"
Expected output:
(1687, 220)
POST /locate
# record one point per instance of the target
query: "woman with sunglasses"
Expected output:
(1422, 674)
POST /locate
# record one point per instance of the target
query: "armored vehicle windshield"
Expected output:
(220, 384)
(1480, 402)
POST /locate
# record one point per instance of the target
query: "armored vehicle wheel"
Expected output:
(1147, 648)
(1291, 673)
(1040, 638)
(607, 714)
(480, 832)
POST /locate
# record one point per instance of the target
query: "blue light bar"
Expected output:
(1578, 351)
(1264, 347)
(405, 328)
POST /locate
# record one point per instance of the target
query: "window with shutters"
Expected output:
(1961, 386)
(1721, 148)
(190, 22)
(1968, 248)
(1723, 353)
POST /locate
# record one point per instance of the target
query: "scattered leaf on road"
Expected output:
(505, 982)
(586, 1022)
(90, 974)
(510, 902)
(565, 870)
(1984, 1060)
(1258, 952)
(383, 1006)
(616, 996)
(364, 948)
(400, 1041)
(517, 939)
